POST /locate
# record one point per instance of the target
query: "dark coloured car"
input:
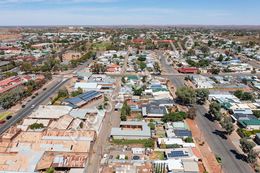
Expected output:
(136, 157)
(8, 117)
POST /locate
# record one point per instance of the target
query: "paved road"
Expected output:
(211, 131)
(111, 119)
(28, 109)
(220, 145)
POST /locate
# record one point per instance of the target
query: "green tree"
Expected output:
(123, 80)
(149, 143)
(214, 109)
(202, 94)
(247, 96)
(47, 75)
(35, 126)
(251, 157)
(125, 111)
(188, 140)
(238, 93)
(174, 117)
(98, 68)
(227, 125)
(142, 65)
(142, 58)
(27, 67)
(63, 93)
(256, 113)
(210, 43)
(151, 125)
(246, 145)
(137, 91)
(50, 170)
(220, 58)
(243, 95)
(186, 95)
(77, 92)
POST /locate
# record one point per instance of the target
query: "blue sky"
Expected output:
(129, 12)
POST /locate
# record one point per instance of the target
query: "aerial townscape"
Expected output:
(111, 94)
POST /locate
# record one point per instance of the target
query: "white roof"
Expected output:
(85, 85)
(175, 164)
(50, 112)
(171, 141)
(76, 170)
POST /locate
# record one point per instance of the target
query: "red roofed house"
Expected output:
(25, 58)
(192, 70)
(113, 68)
(12, 50)
(138, 41)
(10, 83)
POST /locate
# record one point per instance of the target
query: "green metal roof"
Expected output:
(249, 122)
(132, 77)
(226, 105)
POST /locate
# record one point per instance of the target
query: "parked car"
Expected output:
(2, 121)
(8, 117)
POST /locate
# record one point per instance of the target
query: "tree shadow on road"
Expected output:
(238, 155)
(222, 134)
(209, 117)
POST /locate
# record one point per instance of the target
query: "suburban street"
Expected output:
(112, 119)
(231, 160)
(33, 104)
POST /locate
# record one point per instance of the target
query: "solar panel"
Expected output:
(89, 95)
(74, 100)
(182, 133)
(83, 97)
(177, 154)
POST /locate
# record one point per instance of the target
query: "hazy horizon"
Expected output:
(128, 12)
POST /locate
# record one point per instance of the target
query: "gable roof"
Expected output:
(82, 98)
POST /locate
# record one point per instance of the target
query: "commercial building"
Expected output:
(131, 130)
(83, 99)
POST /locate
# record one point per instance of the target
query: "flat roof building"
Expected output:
(131, 130)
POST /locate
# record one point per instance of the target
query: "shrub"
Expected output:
(35, 126)
(188, 140)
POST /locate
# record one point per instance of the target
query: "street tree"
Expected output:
(246, 145)
(186, 95)
(214, 109)
(202, 95)
(191, 114)
(227, 125)
(251, 157)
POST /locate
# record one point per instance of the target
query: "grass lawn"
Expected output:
(3, 115)
(144, 142)
(157, 155)
(101, 46)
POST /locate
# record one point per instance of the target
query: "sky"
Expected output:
(129, 12)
